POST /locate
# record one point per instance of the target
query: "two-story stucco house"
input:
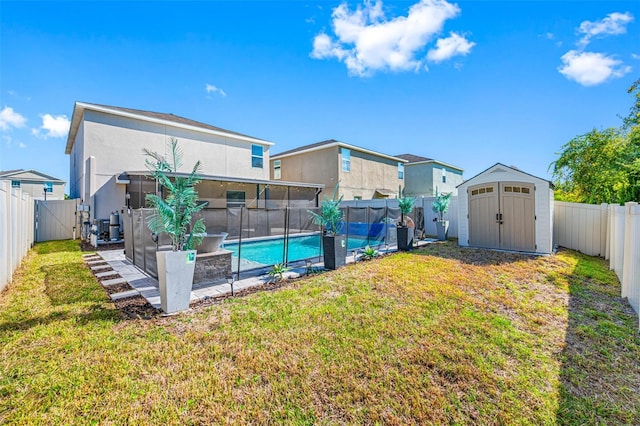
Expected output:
(424, 177)
(107, 165)
(37, 184)
(363, 174)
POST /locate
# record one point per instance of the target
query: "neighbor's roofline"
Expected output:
(436, 162)
(45, 177)
(80, 107)
(341, 144)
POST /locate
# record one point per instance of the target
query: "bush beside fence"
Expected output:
(16, 229)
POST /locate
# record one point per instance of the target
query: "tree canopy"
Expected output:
(602, 166)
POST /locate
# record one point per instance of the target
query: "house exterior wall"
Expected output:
(33, 184)
(320, 166)
(368, 172)
(543, 204)
(106, 145)
(424, 179)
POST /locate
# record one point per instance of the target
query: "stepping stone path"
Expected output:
(97, 263)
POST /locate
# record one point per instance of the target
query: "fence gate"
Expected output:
(502, 215)
(55, 219)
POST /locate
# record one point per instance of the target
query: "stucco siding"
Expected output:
(424, 179)
(319, 166)
(119, 141)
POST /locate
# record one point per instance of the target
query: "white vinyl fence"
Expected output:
(425, 202)
(608, 231)
(16, 229)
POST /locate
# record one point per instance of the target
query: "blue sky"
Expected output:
(470, 83)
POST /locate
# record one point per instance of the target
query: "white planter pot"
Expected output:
(175, 275)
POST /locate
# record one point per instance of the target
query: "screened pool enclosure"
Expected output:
(259, 238)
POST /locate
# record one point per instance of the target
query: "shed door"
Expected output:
(502, 215)
(484, 228)
(517, 231)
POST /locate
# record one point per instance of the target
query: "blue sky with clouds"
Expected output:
(470, 83)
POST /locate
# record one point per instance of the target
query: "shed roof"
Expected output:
(511, 168)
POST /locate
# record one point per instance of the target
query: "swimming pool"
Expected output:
(261, 254)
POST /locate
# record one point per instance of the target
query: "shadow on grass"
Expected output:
(600, 372)
(472, 256)
(94, 312)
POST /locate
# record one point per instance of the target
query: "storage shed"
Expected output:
(506, 208)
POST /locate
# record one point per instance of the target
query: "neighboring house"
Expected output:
(107, 165)
(39, 185)
(424, 177)
(363, 174)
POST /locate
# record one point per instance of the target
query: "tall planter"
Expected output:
(335, 251)
(175, 276)
(405, 238)
(442, 227)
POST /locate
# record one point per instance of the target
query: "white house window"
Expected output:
(400, 171)
(257, 156)
(15, 184)
(346, 160)
(277, 172)
(444, 175)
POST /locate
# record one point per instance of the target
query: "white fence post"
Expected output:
(617, 240)
(631, 261)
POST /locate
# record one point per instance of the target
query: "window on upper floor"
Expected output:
(15, 184)
(400, 171)
(257, 156)
(277, 170)
(346, 160)
(444, 175)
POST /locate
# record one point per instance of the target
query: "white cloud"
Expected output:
(8, 140)
(590, 69)
(9, 118)
(54, 126)
(449, 47)
(210, 88)
(614, 24)
(366, 41)
(635, 56)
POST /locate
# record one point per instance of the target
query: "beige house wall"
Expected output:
(368, 173)
(107, 145)
(324, 166)
(320, 166)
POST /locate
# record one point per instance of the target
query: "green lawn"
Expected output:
(439, 335)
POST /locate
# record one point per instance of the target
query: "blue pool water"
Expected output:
(258, 254)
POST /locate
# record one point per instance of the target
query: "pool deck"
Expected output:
(114, 265)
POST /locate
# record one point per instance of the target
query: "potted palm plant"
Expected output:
(173, 215)
(330, 218)
(405, 233)
(440, 206)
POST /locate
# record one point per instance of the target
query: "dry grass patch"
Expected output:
(440, 335)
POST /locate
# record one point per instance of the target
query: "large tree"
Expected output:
(602, 166)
